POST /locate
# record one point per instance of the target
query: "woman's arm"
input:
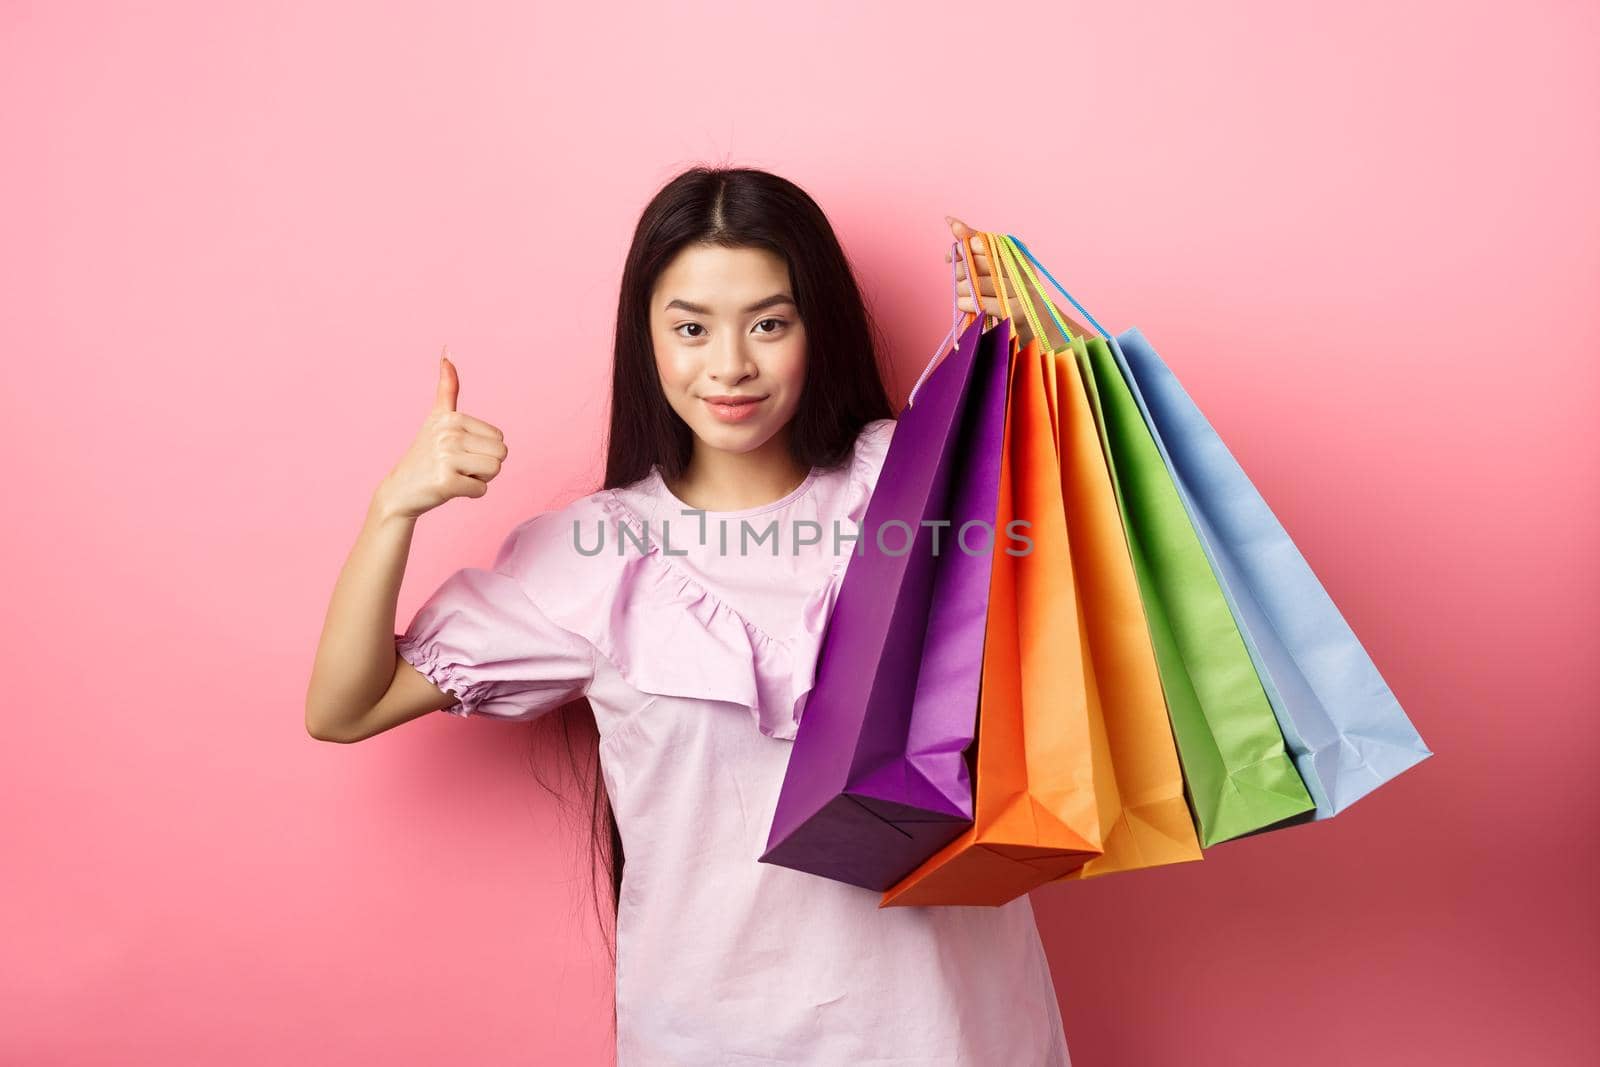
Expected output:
(356, 668)
(359, 684)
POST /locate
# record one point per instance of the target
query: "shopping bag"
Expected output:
(877, 779)
(1035, 814)
(1239, 776)
(1144, 817)
(1237, 772)
(1339, 718)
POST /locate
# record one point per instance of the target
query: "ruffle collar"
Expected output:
(635, 618)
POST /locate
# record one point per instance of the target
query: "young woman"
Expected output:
(681, 606)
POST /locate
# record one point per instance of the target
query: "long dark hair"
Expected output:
(734, 207)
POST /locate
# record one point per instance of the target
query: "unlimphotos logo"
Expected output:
(895, 537)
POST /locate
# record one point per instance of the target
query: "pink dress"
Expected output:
(697, 653)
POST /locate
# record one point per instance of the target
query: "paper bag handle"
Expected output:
(1017, 243)
(963, 319)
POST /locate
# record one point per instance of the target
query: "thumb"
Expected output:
(444, 397)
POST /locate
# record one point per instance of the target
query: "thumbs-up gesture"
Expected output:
(453, 455)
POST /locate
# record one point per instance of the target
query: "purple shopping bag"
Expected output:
(877, 779)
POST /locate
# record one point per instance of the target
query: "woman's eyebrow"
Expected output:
(772, 301)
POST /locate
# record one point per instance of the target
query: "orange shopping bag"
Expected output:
(1035, 814)
(1144, 817)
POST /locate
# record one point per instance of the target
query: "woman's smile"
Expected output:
(733, 408)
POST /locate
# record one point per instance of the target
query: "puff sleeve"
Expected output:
(481, 638)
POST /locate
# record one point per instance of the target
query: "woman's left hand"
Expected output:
(983, 267)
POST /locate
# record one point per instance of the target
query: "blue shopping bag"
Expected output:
(1340, 720)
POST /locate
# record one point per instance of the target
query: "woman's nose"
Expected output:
(730, 362)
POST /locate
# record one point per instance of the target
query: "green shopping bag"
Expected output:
(1237, 773)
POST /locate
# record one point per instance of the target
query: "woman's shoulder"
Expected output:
(872, 444)
(854, 478)
(568, 562)
(555, 539)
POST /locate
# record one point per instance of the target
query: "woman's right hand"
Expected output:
(454, 454)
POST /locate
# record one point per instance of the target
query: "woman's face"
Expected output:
(724, 324)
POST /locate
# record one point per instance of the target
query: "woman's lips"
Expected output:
(734, 412)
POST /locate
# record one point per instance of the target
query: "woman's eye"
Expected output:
(779, 326)
(687, 325)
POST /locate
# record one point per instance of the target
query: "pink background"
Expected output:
(235, 240)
